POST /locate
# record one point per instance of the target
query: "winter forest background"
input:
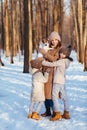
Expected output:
(23, 23)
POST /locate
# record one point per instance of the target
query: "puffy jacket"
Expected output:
(38, 80)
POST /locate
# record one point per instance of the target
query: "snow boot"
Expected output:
(36, 116)
(57, 116)
(47, 113)
(66, 115)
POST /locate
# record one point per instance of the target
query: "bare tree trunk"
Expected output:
(85, 37)
(42, 10)
(50, 17)
(55, 15)
(46, 16)
(34, 24)
(30, 31)
(26, 37)
(61, 5)
(22, 25)
(1, 17)
(6, 27)
(1, 26)
(14, 29)
(80, 31)
(18, 32)
(38, 26)
(10, 31)
(76, 30)
(85, 58)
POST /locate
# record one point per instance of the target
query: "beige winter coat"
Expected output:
(59, 71)
(38, 80)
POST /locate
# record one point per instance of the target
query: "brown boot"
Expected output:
(56, 117)
(47, 113)
(66, 115)
(29, 116)
(36, 116)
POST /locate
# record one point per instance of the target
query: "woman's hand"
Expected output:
(42, 51)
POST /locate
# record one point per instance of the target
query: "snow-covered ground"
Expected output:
(15, 89)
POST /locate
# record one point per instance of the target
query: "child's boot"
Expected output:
(66, 115)
(57, 116)
(35, 116)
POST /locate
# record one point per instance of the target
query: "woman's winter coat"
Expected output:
(38, 80)
(51, 55)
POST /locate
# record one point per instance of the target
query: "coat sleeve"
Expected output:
(53, 64)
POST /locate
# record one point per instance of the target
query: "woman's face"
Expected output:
(54, 43)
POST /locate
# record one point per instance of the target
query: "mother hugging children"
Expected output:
(57, 60)
(51, 56)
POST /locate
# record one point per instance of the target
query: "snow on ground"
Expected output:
(15, 90)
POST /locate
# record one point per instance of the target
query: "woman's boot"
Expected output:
(47, 113)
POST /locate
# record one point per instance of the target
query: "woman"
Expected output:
(51, 55)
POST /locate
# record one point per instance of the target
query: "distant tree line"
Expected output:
(79, 15)
(23, 23)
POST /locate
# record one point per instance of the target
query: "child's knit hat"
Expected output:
(36, 63)
(65, 51)
(54, 35)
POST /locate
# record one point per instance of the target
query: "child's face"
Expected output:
(62, 55)
(54, 43)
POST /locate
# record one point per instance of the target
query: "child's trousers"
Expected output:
(56, 89)
(35, 107)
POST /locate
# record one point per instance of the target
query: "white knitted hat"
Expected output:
(54, 35)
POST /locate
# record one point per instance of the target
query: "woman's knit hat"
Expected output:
(54, 35)
(36, 63)
(65, 51)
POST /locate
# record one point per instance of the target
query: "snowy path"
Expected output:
(15, 89)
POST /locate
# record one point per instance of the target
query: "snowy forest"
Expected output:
(23, 24)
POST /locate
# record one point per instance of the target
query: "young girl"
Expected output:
(37, 96)
(58, 83)
(50, 55)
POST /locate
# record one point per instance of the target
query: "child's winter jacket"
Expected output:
(38, 80)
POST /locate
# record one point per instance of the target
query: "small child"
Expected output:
(45, 45)
(59, 83)
(37, 95)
